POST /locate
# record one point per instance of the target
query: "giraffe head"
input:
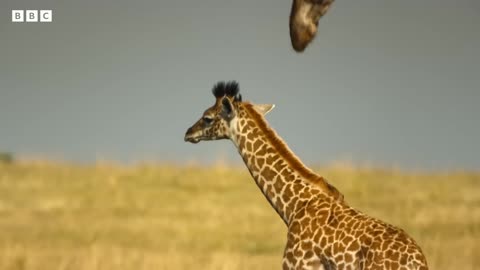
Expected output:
(304, 18)
(216, 121)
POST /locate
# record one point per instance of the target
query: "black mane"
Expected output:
(230, 89)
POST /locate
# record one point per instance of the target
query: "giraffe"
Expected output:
(304, 17)
(324, 232)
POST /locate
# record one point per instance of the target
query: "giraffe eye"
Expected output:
(207, 120)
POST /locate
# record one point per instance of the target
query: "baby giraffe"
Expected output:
(324, 232)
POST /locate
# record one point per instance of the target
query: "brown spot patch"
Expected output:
(287, 193)
(249, 146)
(257, 144)
(268, 174)
(353, 246)
(348, 258)
(309, 254)
(260, 162)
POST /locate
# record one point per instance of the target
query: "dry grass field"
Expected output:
(58, 216)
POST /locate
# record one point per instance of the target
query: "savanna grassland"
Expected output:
(57, 216)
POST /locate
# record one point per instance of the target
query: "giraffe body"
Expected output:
(324, 232)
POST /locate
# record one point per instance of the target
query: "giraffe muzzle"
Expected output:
(190, 137)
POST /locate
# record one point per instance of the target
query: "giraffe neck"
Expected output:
(286, 183)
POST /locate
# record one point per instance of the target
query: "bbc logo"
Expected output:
(31, 15)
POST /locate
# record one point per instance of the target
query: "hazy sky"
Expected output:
(386, 82)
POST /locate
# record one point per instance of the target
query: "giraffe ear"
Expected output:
(263, 109)
(227, 109)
